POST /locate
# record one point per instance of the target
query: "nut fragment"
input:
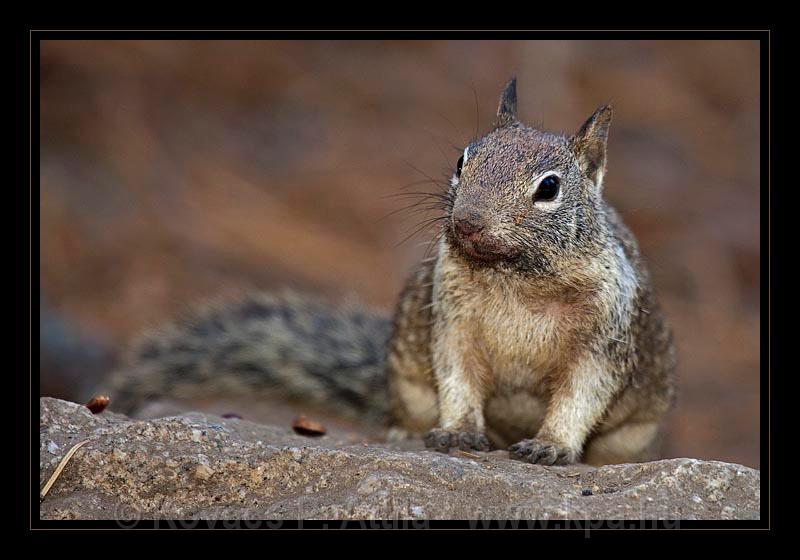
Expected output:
(98, 404)
(305, 427)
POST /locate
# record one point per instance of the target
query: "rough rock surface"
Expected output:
(197, 466)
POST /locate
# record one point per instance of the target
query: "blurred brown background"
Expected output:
(175, 172)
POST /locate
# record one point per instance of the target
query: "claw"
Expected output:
(543, 453)
(443, 440)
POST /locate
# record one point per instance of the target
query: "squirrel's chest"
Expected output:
(520, 334)
(523, 340)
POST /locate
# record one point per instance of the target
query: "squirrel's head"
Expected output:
(526, 198)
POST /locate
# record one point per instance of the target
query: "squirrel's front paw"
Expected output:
(445, 440)
(543, 452)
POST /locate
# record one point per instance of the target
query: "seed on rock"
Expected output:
(98, 404)
(305, 427)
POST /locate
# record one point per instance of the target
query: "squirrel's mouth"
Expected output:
(485, 249)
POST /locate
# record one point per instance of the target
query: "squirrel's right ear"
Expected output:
(589, 144)
(507, 108)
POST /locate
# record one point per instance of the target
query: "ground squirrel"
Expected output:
(534, 325)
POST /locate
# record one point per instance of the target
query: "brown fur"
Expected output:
(540, 327)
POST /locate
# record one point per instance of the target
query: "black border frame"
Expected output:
(28, 94)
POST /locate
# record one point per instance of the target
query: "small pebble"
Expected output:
(52, 447)
(203, 472)
(119, 455)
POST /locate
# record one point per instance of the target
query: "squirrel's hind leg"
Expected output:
(632, 442)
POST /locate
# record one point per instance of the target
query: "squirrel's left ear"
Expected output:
(507, 107)
(589, 144)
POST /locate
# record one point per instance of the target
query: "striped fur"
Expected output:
(264, 345)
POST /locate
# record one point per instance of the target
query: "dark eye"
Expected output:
(458, 166)
(548, 188)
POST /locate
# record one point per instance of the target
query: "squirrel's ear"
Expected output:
(507, 108)
(589, 144)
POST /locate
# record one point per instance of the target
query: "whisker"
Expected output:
(412, 166)
(421, 227)
(435, 138)
(417, 193)
(415, 208)
(477, 113)
(455, 128)
(415, 183)
(434, 242)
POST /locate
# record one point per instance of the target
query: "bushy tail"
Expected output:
(264, 345)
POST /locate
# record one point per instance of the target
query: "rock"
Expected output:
(206, 467)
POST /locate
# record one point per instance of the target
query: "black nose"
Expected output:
(468, 224)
